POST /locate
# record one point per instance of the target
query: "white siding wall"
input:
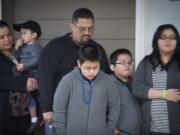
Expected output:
(114, 24)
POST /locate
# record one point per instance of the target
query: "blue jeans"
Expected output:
(32, 102)
(48, 130)
(155, 133)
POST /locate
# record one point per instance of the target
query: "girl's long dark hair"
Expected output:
(154, 57)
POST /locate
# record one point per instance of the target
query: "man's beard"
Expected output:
(85, 39)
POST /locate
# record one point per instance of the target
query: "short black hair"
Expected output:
(31, 25)
(3, 24)
(89, 52)
(114, 55)
(82, 13)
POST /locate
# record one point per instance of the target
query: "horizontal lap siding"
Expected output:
(114, 25)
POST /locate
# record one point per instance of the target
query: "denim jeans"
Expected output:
(156, 133)
(49, 130)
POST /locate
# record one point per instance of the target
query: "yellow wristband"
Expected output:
(164, 94)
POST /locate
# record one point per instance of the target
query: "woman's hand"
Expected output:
(173, 95)
(20, 67)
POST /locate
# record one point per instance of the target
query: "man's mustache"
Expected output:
(87, 36)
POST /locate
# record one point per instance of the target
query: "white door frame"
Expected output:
(0, 9)
(142, 8)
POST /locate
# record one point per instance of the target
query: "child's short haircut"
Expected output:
(89, 52)
(31, 25)
(116, 53)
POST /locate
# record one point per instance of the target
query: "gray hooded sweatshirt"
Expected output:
(73, 116)
(129, 120)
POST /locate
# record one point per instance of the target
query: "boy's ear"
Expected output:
(78, 63)
(34, 34)
(111, 67)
